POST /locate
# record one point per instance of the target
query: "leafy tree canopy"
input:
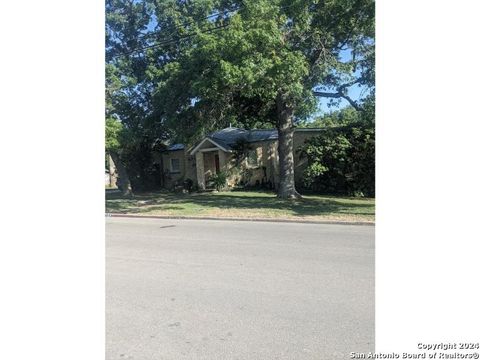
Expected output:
(237, 64)
(335, 118)
(113, 130)
(183, 68)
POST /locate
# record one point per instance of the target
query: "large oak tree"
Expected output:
(200, 65)
(262, 61)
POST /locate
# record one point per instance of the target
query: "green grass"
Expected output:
(251, 204)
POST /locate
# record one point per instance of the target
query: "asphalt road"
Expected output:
(197, 289)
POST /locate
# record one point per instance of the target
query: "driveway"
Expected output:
(197, 289)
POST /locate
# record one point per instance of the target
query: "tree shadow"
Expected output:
(300, 207)
(160, 201)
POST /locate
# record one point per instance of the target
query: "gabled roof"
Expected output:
(228, 137)
(216, 142)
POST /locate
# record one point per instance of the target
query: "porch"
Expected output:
(210, 159)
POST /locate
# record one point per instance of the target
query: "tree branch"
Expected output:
(341, 94)
(338, 95)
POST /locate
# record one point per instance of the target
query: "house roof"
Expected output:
(228, 137)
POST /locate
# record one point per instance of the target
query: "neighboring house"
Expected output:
(248, 157)
(177, 165)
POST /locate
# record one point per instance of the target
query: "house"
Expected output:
(248, 157)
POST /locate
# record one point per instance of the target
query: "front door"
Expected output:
(217, 164)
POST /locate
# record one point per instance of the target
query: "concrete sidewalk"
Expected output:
(275, 220)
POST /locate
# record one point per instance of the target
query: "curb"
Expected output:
(179, 217)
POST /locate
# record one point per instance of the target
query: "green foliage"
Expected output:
(131, 126)
(175, 71)
(341, 117)
(367, 115)
(265, 50)
(139, 159)
(341, 161)
(345, 116)
(113, 132)
(219, 180)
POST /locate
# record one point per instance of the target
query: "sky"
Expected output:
(355, 92)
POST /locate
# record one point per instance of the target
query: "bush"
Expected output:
(144, 173)
(188, 185)
(341, 161)
(219, 180)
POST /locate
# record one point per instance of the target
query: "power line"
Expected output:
(174, 27)
(171, 40)
(166, 42)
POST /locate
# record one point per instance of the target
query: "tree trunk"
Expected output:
(123, 181)
(286, 186)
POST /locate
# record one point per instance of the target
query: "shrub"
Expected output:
(219, 180)
(188, 185)
(341, 161)
(145, 174)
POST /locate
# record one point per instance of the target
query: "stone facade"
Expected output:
(258, 166)
(186, 167)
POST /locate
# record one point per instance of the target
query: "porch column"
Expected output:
(200, 170)
(222, 160)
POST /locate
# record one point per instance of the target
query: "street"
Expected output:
(198, 289)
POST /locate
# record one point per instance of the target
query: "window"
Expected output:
(175, 165)
(252, 158)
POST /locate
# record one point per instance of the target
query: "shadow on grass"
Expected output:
(146, 202)
(301, 207)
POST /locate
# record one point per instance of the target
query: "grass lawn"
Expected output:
(251, 204)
